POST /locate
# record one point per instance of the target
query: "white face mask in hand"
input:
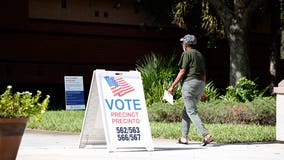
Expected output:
(183, 48)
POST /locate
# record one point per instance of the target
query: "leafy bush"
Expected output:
(22, 105)
(157, 74)
(244, 90)
(165, 112)
(260, 111)
(211, 92)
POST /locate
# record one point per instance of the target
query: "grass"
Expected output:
(222, 133)
(71, 121)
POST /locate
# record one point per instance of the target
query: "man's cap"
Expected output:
(189, 39)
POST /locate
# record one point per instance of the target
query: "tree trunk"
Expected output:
(236, 23)
(239, 60)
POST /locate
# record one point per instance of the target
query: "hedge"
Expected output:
(260, 111)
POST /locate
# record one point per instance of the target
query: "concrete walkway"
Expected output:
(42, 145)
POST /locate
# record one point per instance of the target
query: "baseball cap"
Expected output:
(189, 39)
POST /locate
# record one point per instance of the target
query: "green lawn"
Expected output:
(71, 121)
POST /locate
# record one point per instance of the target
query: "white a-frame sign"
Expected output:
(116, 113)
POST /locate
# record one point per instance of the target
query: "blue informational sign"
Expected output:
(74, 92)
(75, 97)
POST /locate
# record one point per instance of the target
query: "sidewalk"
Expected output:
(42, 145)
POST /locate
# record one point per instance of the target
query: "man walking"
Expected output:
(192, 77)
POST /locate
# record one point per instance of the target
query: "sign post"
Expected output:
(116, 100)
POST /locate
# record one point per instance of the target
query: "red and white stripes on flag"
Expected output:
(118, 86)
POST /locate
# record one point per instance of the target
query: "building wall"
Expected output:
(40, 43)
(38, 51)
(87, 11)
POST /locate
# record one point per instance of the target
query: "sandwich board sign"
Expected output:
(116, 113)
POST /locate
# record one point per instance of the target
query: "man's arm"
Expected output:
(177, 80)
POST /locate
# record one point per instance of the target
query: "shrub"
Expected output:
(165, 112)
(211, 92)
(244, 90)
(22, 105)
(260, 111)
(157, 74)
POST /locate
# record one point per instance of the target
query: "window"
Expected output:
(97, 13)
(106, 14)
(63, 3)
(85, 11)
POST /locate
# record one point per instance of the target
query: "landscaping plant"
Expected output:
(244, 90)
(22, 105)
(157, 74)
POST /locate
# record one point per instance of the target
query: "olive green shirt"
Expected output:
(194, 63)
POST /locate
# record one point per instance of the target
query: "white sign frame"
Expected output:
(123, 115)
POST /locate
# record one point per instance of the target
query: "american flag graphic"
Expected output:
(118, 86)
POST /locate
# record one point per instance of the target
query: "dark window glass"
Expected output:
(63, 3)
